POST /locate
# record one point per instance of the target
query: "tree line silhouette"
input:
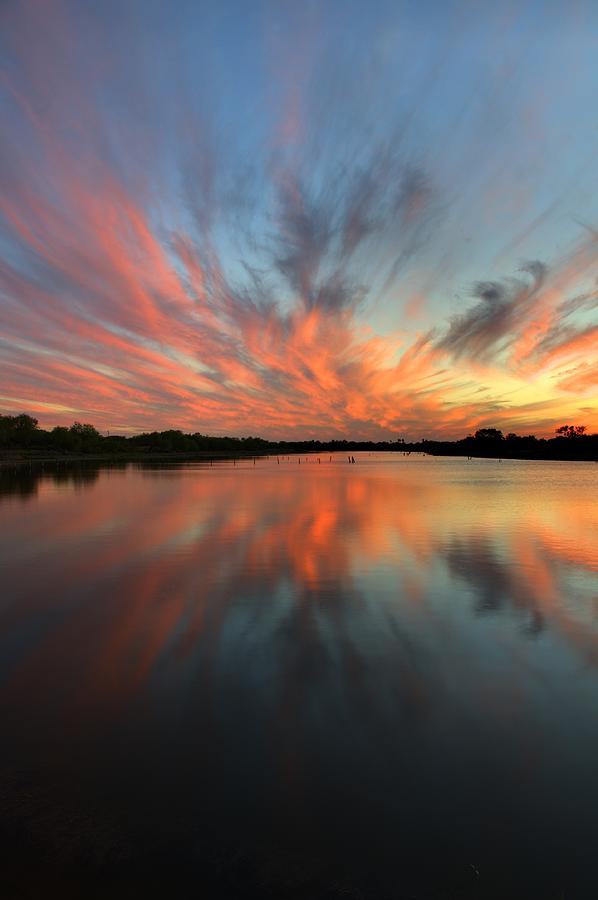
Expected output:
(22, 433)
(569, 442)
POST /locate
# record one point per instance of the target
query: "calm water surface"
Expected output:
(378, 678)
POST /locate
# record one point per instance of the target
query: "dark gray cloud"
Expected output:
(489, 326)
(337, 244)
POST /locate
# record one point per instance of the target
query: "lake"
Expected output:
(300, 678)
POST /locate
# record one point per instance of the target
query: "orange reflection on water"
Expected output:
(138, 569)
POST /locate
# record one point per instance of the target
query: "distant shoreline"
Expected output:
(518, 457)
(8, 460)
(24, 458)
(23, 442)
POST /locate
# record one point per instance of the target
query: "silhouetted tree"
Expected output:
(571, 431)
(61, 438)
(85, 437)
(489, 434)
(17, 431)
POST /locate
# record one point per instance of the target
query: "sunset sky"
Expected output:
(300, 219)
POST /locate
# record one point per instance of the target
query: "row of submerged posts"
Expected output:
(350, 459)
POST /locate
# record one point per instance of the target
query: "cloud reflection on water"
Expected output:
(148, 567)
(353, 662)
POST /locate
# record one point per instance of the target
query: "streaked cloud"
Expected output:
(280, 242)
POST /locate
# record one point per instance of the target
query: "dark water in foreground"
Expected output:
(300, 680)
